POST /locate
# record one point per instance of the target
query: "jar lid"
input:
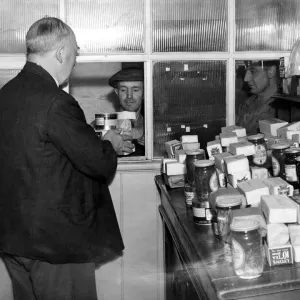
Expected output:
(228, 202)
(194, 152)
(107, 115)
(244, 225)
(292, 150)
(256, 136)
(204, 163)
(280, 146)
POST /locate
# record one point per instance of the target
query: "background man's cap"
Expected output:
(128, 74)
(253, 63)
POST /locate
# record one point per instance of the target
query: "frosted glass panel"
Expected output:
(267, 25)
(7, 75)
(107, 26)
(16, 16)
(189, 97)
(189, 26)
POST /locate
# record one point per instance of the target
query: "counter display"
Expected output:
(201, 256)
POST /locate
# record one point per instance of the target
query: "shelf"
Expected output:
(291, 98)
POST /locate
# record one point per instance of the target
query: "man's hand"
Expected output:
(121, 143)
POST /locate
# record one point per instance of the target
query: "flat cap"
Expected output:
(127, 74)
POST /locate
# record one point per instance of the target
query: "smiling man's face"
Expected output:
(257, 79)
(131, 94)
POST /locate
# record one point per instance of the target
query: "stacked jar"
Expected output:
(206, 182)
(190, 188)
(278, 159)
(290, 168)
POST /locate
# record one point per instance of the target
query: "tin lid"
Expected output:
(292, 150)
(107, 115)
(244, 225)
(194, 152)
(204, 163)
(280, 146)
(256, 137)
(228, 202)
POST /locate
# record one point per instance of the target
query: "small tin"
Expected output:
(247, 250)
(205, 178)
(189, 194)
(278, 158)
(106, 121)
(191, 157)
(290, 167)
(202, 213)
(260, 157)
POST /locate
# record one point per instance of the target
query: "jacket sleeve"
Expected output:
(73, 137)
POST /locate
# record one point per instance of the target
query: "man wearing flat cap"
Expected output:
(261, 79)
(128, 85)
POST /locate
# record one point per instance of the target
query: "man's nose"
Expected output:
(129, 94)
(248, 76)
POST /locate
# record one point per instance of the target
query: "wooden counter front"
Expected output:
(203, 259)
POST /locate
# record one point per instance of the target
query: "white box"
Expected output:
(259, 173)
(270, 126)
(278, 186)
(175, 168)
(240, 131)
(227, 138)
(189, 139)
(219, 160)
(171, 146)
(126, 115)
(279, 209)
(253, 190)
(236, 163)
(289, 134)
(279, 255)
(213, 148)
(245, 148)
(165, 161)
(277, 234)
(281, 132)
(180, 156)
(190, 146)
(238, 177)
(221, 178)
(296, 199)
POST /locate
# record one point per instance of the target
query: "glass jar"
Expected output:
(247, 249)
(189, 194)
(290, 168)
(191, 157)
(205, 178)
(106, 121)
(202, 214)
(278, 158)
(223, 208)
(260, 158)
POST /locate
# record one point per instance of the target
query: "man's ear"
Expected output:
(116, 91)
(59, 54)
(272, 71)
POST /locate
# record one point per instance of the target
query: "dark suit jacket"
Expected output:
(55, 203)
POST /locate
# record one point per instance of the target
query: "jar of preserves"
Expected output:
(205, 178)
(106, 121)
(278, 158)
(189, 194)
(202, 213)
(223, 208)
(191, 157)
(260, 158)
(290, 168)
(247, 249)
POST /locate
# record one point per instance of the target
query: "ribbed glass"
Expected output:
(189, 25)
(107, 26)
(267, 25)
(7, 75)
(16, 16)
(189, 97)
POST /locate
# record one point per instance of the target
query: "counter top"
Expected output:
(202, 253)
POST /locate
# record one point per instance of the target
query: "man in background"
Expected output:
(128, 85)
(57, 216)
(262, 81)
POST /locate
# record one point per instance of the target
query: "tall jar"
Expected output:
(247, 249)
(290, 168)
(191, 157)
(278, 158)
(205, 178)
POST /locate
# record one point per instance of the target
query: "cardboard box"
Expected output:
(171, 146)
(213, 148)
(278, 186)
(174, 181)
(280, 255)
(189, 139)
(236, 163)
(245, 148)
(227, 138)
(238, 177)
(164, 162)
(190, 146)
(175, 168)
(180, 156)
(259, 173)
(239, 131)
(219, 160)
(270, 126)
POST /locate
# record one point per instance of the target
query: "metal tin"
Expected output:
(189, 194)
(223, 208)
(260, 157)
(191, 157)
(106, 121)
(247, 250)
(290, 167)
(202, 213)
(205, 178)
(278, 158)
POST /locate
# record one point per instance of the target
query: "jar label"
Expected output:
(189, 196)
(100, 121)
(260, 156)
(213, 182)
(276, 166)
(238, 255)
(208, 214)
(290, 173)
(199, 212)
